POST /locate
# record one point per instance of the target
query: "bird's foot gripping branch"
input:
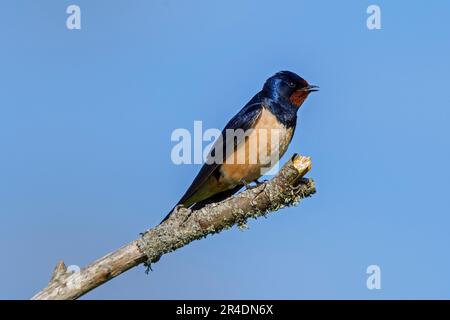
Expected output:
(287, 188)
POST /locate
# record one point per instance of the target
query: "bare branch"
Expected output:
(287, 188)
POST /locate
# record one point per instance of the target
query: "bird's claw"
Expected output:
(258, 183)
(248, 186)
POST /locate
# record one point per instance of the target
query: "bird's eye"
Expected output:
(291, 84)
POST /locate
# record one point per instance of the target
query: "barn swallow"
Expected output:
(274, 107)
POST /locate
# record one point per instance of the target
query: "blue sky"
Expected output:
(86, 117)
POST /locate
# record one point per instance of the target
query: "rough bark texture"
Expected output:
(287, 188)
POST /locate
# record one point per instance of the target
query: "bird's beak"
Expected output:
(311, 88)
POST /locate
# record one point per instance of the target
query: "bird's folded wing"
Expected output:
(244, 120)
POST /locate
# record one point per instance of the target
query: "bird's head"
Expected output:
(288, 87)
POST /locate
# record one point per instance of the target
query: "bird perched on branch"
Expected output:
(262, 130)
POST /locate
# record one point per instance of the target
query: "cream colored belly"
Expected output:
(261, 150)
